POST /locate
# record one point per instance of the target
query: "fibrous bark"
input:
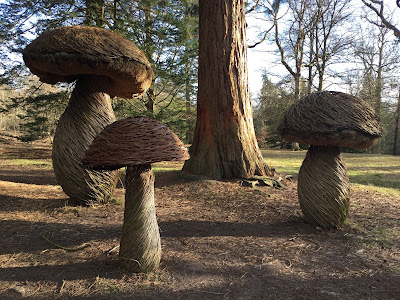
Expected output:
(323, 187)
(140, 249)
(87, 113)
(224, 144)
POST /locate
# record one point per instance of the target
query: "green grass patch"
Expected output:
(284, 161)
(378, 237)
(165, 169)
(46, 163)
(379, 172)
(167, 166)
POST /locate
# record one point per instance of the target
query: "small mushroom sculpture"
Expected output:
(137, 142)
(328, 120)
(102, 64)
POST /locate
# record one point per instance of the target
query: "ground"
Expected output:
(220, 240)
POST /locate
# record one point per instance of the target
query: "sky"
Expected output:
(260, 57)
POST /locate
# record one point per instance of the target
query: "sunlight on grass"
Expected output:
(379, 172)
(26, 162)
(284, 161)
(167, 166)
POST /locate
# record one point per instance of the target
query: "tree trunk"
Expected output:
(396, 127)
(140, 249)
(297, 76)
(94, 14)
(377, 149)
(149, 51)
(88, 112)
(151, 98)
(224, 144)
(310, 64)
(188, 105)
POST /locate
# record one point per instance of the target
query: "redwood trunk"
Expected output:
(224, 144)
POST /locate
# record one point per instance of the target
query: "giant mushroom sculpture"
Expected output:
(103, 64)
(328, 120)
(137, 142)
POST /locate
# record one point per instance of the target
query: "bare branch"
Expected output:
(379, 13)
(262, 39)
(253, 7)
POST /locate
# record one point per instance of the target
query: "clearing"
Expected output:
(220, 240)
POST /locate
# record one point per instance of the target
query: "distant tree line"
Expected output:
(321, 43)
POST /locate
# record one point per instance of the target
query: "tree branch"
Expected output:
(253, 7)
(262, 39)
(379, 13)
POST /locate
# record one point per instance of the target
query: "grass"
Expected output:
(167, 166)
(378, 237)
(46, 163)
(378, 172)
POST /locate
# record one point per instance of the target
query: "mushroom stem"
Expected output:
(88, 112)
(323, 187)
(140, 249)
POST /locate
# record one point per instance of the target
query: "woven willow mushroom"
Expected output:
(103, 64)
(137, 142)
(328, 120)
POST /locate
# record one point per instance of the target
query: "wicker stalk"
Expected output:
(323, 187)
(87, 113)
(140, 248)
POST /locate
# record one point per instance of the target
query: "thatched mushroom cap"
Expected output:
(134, 141)
(331, 119)
(60, 55)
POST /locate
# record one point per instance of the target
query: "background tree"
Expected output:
(291, 42)
(273, 100)
(387, 59)
(371, 55)
(165, 29)
(224, 144)
(326, 42)
(396, 145)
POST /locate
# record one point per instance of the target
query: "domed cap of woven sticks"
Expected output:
(62, 54)
(134, 141)
(331, 119)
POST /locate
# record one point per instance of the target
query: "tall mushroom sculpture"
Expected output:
(137, 142)
(328, 120)
(103, 64)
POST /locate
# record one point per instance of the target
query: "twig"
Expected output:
(112, 249)
(85, 245)
(62, 286)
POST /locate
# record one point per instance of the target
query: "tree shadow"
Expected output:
(211, 276)
(24, 175)
(366, 180)
(72, 235)
(17, 204)
(194, 228)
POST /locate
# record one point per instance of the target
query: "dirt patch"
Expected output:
(219, 240)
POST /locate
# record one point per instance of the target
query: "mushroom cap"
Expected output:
(134, 141)
(62, 54)
(331, 119)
